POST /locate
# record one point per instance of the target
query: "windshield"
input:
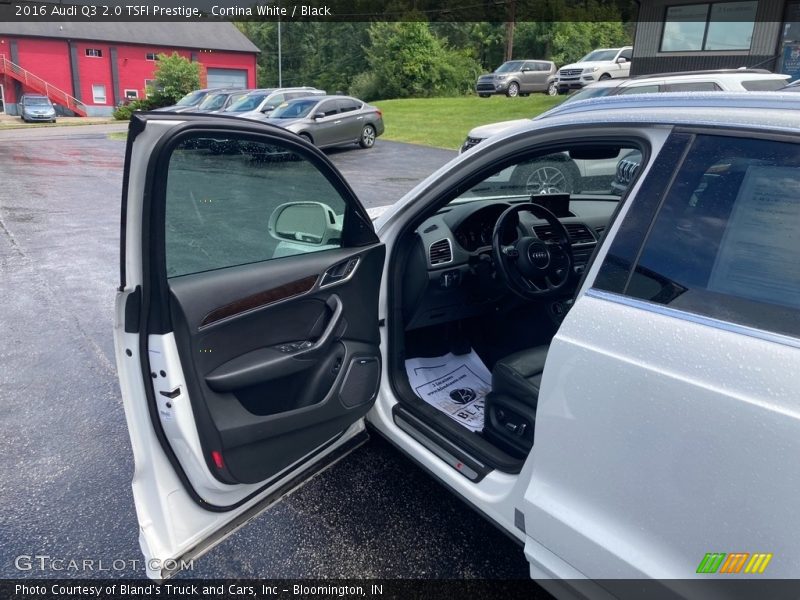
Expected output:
(294, 110)
(599, 55)
(509, 67)
(557, 173)
(590, 92)
(37, 101)
(191, 98)
(248, 102)
(213, 102)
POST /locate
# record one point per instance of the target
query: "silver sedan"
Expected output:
(328, 121)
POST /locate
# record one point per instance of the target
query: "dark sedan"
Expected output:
(328, 121)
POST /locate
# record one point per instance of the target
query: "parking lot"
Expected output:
(65, 482)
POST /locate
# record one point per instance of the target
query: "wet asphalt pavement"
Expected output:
(65, 478)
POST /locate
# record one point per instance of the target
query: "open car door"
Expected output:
(246, 327)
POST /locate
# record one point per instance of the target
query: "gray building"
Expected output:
(685, 35)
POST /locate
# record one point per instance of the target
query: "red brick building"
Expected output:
(89, 68)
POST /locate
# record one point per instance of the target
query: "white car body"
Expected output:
(576, 75)
(656, 428)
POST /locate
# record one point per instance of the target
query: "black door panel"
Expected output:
(278, 370)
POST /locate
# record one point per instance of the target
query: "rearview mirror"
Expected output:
(621, 60)
(305, 222)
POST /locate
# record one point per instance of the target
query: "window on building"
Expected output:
(709, 27)
(98, 93)
(151, 56)
(131, 94)
(94, 52)
(149, 87)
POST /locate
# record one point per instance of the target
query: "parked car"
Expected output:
(34, 107)
(327, 121)
(260, 103)
(190, 101)
(565, 174)
(732, 80)
(603, 377)
(519, 78)
(217, 102)
(601, 64)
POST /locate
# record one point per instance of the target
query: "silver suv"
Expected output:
(519, 78)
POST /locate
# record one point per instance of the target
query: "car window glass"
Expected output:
(693, 86)
(328, 108)
(232, 201)
(347, 105)
(276, 100)
(640, 89)
(626, 54)
(724, 242)
(552, 173)
(763, 85)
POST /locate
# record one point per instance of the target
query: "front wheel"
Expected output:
(552, 89)
(367, 139)
(513, 90)
(306, 137)
(546, 177)
(605, 76)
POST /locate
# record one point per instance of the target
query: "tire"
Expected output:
(604, 76)
(368, 135)
(552, 89)
(513, 90)
(306, 137)
(546, 177)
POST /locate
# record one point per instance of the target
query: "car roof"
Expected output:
(321, 98)
(722, 74)
(768, 110)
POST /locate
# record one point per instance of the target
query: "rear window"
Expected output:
(763, 85)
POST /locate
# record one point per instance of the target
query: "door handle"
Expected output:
(330, 333)
(337, 122)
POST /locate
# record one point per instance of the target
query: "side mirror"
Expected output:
(267, 109)
(319, 115)
(622, 60)
(525, 69)
(311, 223)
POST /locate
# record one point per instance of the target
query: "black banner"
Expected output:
(712, 587)
(318, 10)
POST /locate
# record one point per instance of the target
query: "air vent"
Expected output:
(545, 232)
(441, 252)
(578, 233)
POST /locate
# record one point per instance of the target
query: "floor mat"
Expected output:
(455, 385)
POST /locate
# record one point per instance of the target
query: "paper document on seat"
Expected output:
(455, 385)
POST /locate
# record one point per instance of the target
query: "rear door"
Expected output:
(668, 405)
(352, 118)
(246, 323)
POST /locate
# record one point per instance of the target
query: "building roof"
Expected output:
(202, 36)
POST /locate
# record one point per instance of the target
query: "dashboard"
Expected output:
(451, 276)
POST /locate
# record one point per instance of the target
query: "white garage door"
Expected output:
(230, 78)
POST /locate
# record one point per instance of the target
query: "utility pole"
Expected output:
(280, 58)
(510, 26)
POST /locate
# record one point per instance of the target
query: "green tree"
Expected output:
(407, 60)
(175, 76)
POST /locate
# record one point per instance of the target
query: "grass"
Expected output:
(444, 122)
(120, 136)
(61, 122)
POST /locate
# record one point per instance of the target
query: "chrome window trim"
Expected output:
(660, 309)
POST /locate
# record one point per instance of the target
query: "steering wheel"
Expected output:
(532, 268)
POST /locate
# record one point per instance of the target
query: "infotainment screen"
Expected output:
(558, 204)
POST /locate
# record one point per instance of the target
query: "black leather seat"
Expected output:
(519, 375)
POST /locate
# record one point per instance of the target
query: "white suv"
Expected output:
(611, 380)
(604, 63)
